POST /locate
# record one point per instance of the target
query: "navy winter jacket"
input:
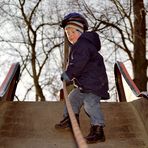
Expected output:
(86, 65)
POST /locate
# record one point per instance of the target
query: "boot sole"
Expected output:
(63, 129)
(93, 142)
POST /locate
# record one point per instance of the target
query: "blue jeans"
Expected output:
(91, 104)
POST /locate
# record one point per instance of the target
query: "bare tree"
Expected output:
(122, 27)
(140, 62)
(36, 40)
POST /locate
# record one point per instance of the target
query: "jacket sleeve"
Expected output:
(78, 59)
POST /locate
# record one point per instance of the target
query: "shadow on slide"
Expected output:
(8, 86)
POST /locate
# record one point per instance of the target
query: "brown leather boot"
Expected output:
(96, 134)
(64, 124)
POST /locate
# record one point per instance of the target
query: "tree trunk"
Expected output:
(39, 93)
(140, 61)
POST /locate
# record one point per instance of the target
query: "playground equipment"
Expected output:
(8, 87)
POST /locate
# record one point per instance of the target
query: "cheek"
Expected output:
(70, 36)
(77, 36)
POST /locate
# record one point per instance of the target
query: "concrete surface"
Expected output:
(31, 125)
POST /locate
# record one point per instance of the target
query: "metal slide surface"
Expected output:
(31, 125)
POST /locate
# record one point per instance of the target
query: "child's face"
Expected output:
(72, 34)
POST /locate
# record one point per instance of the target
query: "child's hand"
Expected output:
(64, 77)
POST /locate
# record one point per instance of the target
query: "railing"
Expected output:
(8, 87)
(120, 70)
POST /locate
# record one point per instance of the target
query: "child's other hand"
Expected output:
(64, 77)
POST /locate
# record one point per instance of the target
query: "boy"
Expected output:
(86, 68)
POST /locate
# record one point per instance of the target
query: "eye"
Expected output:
(73, 31)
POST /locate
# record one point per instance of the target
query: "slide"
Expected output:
(31, 124)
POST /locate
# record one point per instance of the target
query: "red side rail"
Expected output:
(8, 87)
(120, 70)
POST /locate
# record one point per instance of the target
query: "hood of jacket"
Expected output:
(92, 37)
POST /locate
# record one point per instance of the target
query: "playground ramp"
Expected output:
(31, 125)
